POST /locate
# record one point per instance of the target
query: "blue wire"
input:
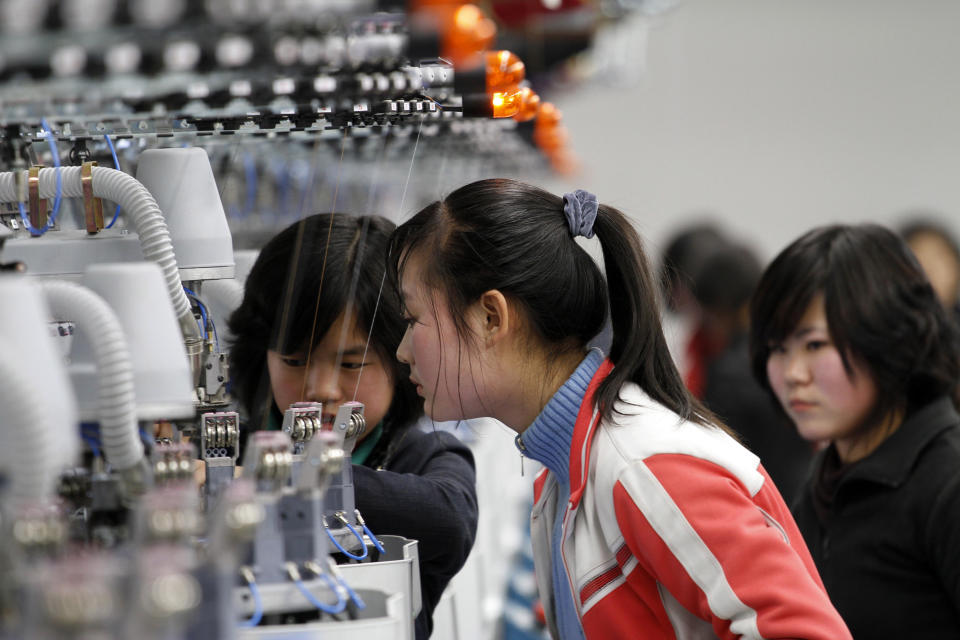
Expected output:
(376, 542)
(357, 600)
(257, 616)
(344, 551)
(203, 323)
(216, 336)
(93, 443)
(56, 164)
(52, 218)
(116, 163)
(203, 313)
(91, 428)
(341, 601)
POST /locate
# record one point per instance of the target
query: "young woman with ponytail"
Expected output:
(650, 520)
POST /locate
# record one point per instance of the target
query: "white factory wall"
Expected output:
(774, 116)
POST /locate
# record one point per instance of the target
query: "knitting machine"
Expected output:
(141, 144)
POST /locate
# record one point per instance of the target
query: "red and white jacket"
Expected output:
(674, 530)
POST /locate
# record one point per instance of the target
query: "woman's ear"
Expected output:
(495, 320)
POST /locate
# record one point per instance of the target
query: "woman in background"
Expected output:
(849, 336)
(938, 253)
(314, 325)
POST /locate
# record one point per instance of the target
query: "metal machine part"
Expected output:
(168, 515)
(172, 462)
(214, 378)
(165, 592)
(73, 596)
(302, 510)
(220, 435)
(233, 523)
(322, 460)
(383, 617)
(348, 424)
(182, 182)
(219, 447)
(300, 422)
(267, 464)
(268, 460)
(38, 528)
(234, 518)
(397, 570)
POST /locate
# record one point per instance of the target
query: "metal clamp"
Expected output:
(219, 435)
(358, 423)
(92, 207)
(275, 465)
(36, 204)
(301, 421)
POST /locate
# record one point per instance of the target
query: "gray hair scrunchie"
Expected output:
(580, 208)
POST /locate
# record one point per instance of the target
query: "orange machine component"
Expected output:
(564, 162)
(463, 31)
(489, 73)
(506, 104)
(529, 105)
(468, 33)
(549, 115)
(417, 5)
(505, 71)
(548, 134)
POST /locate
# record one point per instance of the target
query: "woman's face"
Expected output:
(446, 372)
(807, 375)
(340, 367)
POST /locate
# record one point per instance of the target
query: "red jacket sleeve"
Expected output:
(696, 530)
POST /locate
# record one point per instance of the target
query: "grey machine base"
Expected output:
(390, 588)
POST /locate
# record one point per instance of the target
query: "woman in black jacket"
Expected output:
(849, 337)
(316, 324)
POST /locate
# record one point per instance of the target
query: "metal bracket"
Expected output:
(92, 207)
(36, 204)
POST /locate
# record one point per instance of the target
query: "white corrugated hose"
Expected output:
(34, 469)
(119, 432)
(140, 209)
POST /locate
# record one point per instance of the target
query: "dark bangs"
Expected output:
(784, 292)
(303, 279)
(318, 288)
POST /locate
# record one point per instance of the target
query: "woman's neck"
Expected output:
(536, 381)
(862, 443)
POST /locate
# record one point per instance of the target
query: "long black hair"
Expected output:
(506, 235)
(881, 312)
(280, 310)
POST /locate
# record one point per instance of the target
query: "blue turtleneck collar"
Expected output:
(548, 438)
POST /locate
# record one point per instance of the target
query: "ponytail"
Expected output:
(639, 350)
(516, 238)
